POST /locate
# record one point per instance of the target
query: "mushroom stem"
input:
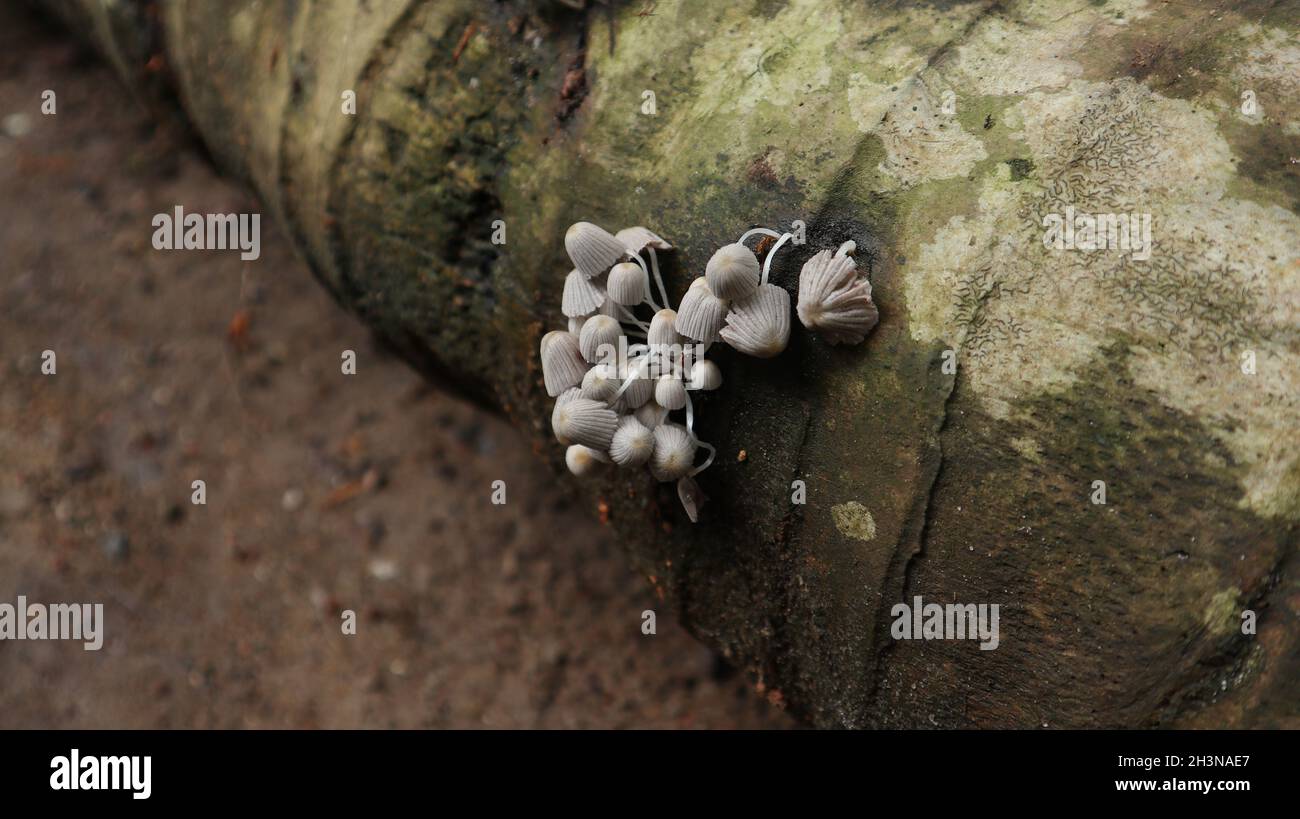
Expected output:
(628, 318)
(762, 230)
(654, 263)
(767, 263)
(690, 430)
(649, 293)
(713, 451)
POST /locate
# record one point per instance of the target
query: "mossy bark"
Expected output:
(937, 136)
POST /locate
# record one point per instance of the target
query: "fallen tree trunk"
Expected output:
(938, 138)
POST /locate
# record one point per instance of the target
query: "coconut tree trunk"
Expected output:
(1105, 446)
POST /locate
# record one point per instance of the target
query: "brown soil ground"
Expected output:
(325, 492)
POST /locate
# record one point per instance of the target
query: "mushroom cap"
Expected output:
(833, 301)
(733, 272)
(674, 453)
(582, 295)
(650, 414)
(701, 314)
(597, 331)
(562, 362)
(626, 284)
(633, 442)
(670, 392)
(661, 332)
(582, 459)
(584, 421)
(592, 248)
(637, 238)
(601, 382)
(560, 400)
(759, 325)
(641, 388)
(705, 375)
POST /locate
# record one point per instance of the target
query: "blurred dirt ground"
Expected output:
(325, 492)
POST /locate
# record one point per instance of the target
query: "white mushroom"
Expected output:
(759, 325)
(650, 414)
(701, 314)
(627, 284)
(733, 272)
(586, 422)
(582, 459)
(833, 301)
(592, 248)
(705, 375)
(562, 362)
(670, 392)
(674, 453)
(582, 295)
(638, 238)
(633, 443)
(601, 382)
(640, 387)
(598, 331)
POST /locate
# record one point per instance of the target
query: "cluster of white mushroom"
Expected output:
(615, 397)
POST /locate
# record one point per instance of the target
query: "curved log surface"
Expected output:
(937, 136)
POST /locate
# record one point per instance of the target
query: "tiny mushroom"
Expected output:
(597, 332)
(600, 383)
(638, 238)
(701, 314)
(592, 248)
(674, 453)
(833, 301)
(583, 421)
(633, 442)
(582, 295)
(582, 459)
(627, 284)
(733, 272)
(650, 414)
(705, 375)
(760, 325)
(562, 362)
(670, 393)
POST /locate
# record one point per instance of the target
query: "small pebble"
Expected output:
(292, 500)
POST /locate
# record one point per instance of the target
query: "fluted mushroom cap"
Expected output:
(640, 387)
(562, 362)
(633, 443)
(597, 331)
(759, 325)
(833, 301)
(586, 422)
(674, 453)
(592, 248)
(601, 382)
(701, 314)
(670, 392)
(626, 284)
(638, 238)
(582, 295)
(650, 414)
(662, 333)
(733, 272)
